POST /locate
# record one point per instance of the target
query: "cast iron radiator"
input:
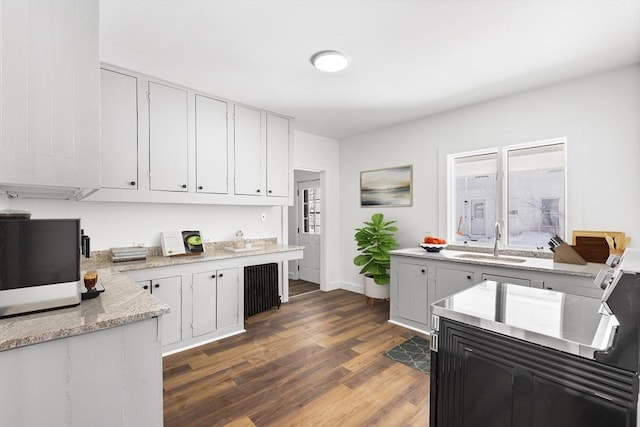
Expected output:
(260, 288)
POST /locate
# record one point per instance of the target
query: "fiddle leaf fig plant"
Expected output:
(375, 240)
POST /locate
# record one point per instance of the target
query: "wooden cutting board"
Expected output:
(617, 236)
(592, 249)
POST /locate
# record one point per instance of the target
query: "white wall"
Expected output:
(599, 115)
(111, 224)
(317, 153)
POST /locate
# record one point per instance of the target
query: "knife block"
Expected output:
(566, 254)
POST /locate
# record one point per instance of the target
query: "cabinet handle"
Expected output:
(469, 277)
(220, 275)
(258, 190)
(184, 185)
(213, 277)
(269, 191)
(200, 187)
(423, 270)
(145, 287)
(157, 285)
(132, 183)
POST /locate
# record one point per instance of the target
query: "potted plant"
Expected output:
(375, 240)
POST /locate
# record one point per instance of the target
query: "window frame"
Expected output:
(502, 188)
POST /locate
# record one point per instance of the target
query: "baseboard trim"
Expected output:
(409, 327)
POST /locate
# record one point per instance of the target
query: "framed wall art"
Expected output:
(387, 187)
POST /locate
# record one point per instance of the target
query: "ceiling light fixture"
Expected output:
(329, 61)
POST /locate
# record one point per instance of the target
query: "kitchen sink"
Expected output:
(498, 258)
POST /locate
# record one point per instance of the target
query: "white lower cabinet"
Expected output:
(417, 282)
(567, 288)
(169, 291)
(215, 300)
(506, 279)
(206, 300)
(59, 382)
(449, 281)
(228, 299)
(412, 302)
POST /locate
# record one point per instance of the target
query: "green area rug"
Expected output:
(414, 352)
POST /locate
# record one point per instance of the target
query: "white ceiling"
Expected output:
(408, 58)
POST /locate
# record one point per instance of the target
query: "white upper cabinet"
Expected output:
(278, 169)
(248, 151)
(172, 144)
(168, 138)
(211, 146)
(50, 98)
(119, 115)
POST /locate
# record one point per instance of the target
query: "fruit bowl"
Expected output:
(432, 247)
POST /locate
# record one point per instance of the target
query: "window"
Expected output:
(310, 204)
(521, 187)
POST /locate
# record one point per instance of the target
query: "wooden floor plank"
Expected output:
(316, 361)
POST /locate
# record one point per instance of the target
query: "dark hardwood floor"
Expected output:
(315, 362)
(300, 287)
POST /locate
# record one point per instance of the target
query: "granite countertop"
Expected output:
(530, 263)
(569, 323)
(121, 303)
(213, 253)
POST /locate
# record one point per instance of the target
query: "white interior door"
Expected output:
(310, 226)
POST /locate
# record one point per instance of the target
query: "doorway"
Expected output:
(306, 227)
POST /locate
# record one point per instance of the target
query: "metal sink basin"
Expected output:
(499, 258)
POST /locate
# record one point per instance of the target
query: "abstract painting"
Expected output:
(387, 187)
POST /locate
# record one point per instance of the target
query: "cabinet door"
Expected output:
(591, 292)
(277, 156)
(413, 303)
(505, 279)
(247, 151)
(144, 284)
(449, 281)
(169, 291)
(50, 97)
(228, 300)
(211, 145)
(167, 138)
(119, 113)
(204, 303)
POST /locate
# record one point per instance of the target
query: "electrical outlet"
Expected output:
(263, 216)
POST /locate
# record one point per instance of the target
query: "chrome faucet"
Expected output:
(498, 236)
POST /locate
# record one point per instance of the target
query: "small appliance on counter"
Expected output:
(39, 265)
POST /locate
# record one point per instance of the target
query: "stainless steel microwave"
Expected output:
(39, 265)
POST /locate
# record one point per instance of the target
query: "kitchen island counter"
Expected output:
(564, 322)
(509, 355)
(122, 303)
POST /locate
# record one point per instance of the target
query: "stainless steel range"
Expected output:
(512, 356)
